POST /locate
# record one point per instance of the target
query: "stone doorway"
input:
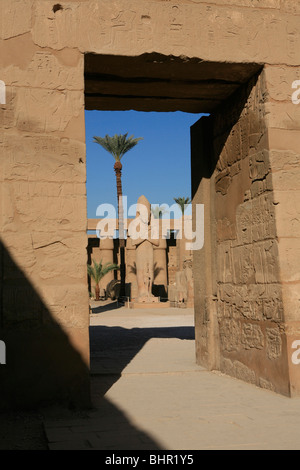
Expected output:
(237, 319)
(237, 61)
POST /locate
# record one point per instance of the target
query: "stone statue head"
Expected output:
(143, 209)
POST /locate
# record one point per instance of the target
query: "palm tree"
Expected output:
(98, 271)
(158, 211)
(182, 201)
(117, 146)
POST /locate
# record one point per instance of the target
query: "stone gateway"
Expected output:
(235, 60)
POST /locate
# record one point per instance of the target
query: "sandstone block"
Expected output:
(291, 299)
(279, 81)
(238, 369)
(44, 159)
(15, 18)
(61, 70)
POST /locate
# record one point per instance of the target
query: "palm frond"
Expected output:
(98, 270)
(109, 267)
(118, 144)
(182, 202)
(158, 211)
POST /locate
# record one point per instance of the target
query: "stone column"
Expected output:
(130, 270)
(106, 255)
(160, 284)
(206, 324)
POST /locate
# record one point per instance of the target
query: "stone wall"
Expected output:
(260, 31)
(44, 296)
(199, 53)
(283, 121)
(250, 307)
(247, 309)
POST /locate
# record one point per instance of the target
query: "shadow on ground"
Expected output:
(112, 349)
(45, 391)
(106, 307)
(106, 427)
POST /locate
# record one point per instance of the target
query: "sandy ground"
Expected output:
(24, 430)
(148, 393)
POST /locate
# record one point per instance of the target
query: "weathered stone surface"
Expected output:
(252, 336)
(144, 27)
(263, 383)
(25, 113)
(194, 56)
(44, 209)
(279, 80)
(239, 370)
(273, 303)
(15, 18)
(66, 304)
(287, 216)
(274, 343)
(284, 165)
(230, 335)
(253, 302)
(287, 117)
(291, 298)
(46, 70)
(290, 252)
(248, 268)
(44, 158)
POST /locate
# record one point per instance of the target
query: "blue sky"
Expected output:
(158, 166)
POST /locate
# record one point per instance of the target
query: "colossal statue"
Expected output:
(144, 244)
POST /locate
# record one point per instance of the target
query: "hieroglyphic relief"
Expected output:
(50, 115)
(176, 20)
(273, 37)
(43, 158)
(44, 175)
(97, 30)
(252, 336)
(274, 343)
(145, 30)
(47, 70)
(122, 28)
(50, 26)
(293, 35)
(179, 29)
(168, 26)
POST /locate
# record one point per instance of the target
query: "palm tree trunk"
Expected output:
(118, 171)
(97, 292)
